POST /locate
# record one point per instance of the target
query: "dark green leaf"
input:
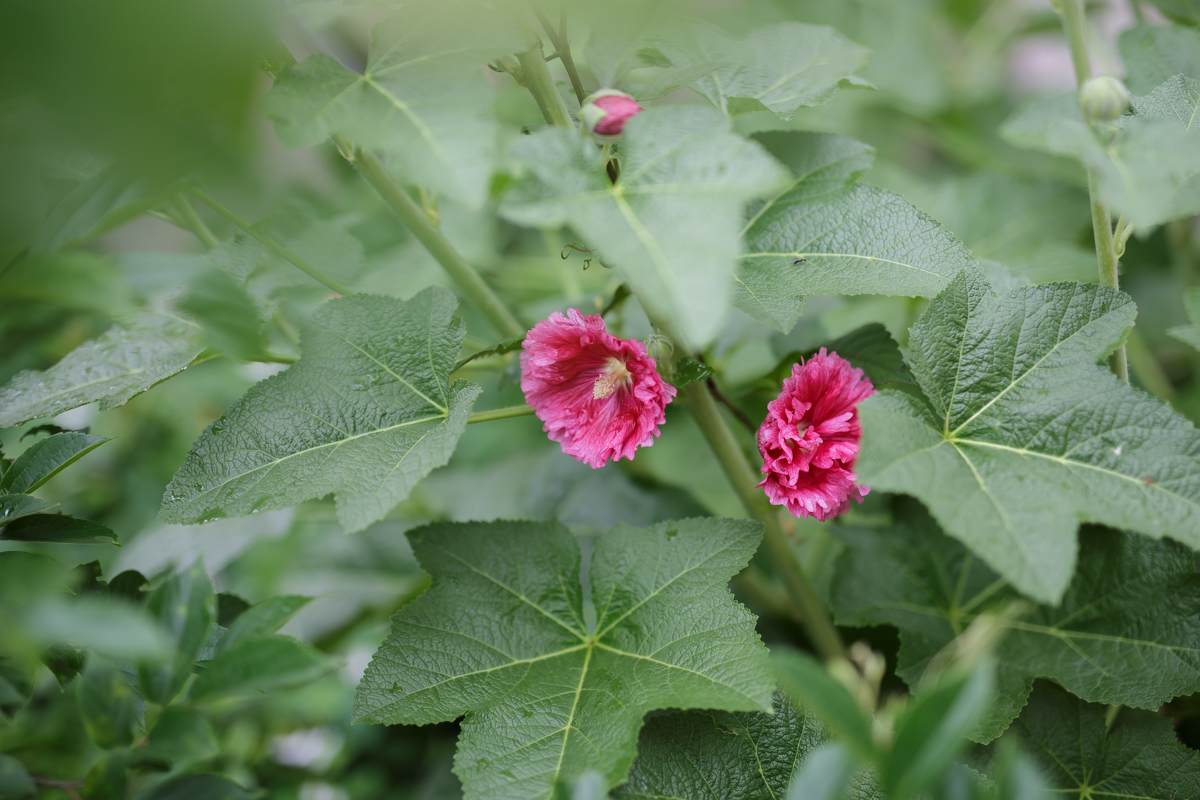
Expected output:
(365, 414)
(16, 506)
(198, 787)
(670, 223)
(500, 636)
(64, 661)
(185, 605)
(261, 619)
(1023, 433)
(869, 348)
(1082, 757)
(229, 608)
(823, 234)
(111, 711)
(258, 664)
(1123, 634)
(227, 314)
(183, 735)
(57, 528)
(507, 346)
(1154, 54)
(106, 779)
(805, 679)
(689, 370)
(14, 780)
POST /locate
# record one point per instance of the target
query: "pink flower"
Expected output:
(604, 113)
(810, 437)
(600, 397)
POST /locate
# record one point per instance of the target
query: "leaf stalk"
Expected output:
(500, 413)
(540, 84)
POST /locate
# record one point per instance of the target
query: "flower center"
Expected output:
(615, 374)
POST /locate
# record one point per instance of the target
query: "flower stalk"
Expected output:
(500, 413)
(540, 84)
(1075, 26)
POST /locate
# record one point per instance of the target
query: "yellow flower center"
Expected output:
(612, 376)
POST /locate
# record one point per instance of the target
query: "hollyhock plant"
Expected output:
(598, 396)
(604, 113)
(810, 438)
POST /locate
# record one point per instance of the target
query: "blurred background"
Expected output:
(108, 106)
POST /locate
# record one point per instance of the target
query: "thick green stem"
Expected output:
(469, 282)
(1075, 25)
(541, 85)
(739, 472)
(271, 244)
(500, 413)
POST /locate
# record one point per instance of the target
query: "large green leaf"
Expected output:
(45, 458)
(1147, 165)
(365, 414)
(501, 637)
(1154, 54)
(823, 234)
(1021, 433)
(670, 223)
(697, 755)
(127, 360)
(779, 67)
(1085, 758)
(1125, 633)
(423, 98)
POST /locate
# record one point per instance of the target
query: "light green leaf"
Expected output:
(423, 99)
(1189, 334)
(184, 735)
(1082, 757)
(111, 710)
(822, 234)
(1147, 164)
(1021, 434)
(365, 414)
(1125, 632)
(258, 664)
(779, 67)
(1154, 54)
(227, 313)
(501, 637)
(807, 680)
(45, 458)
(185, 605)
(698, 755)
(264, 618)
(125, 361)
(58, 528)
(113, 628)
(670, 223)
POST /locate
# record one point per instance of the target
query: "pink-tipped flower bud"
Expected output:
(605, 112)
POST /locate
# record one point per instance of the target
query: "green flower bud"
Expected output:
(1103, 99)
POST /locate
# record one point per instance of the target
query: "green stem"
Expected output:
(1075, 25)
(541, 85)
(500, 413)
(562, 46)
(469, 282)
(1146, 368)
(739, 472)
(266, 241)
(192, 221)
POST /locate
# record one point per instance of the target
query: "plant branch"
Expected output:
(562, 47)
(733, 461)
(1075, 25)
(469, 282)
(500, 413)
(541, 85)
(268, 242)
(187, 215)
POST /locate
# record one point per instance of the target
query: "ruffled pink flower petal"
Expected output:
(810, 438)
(598, 396)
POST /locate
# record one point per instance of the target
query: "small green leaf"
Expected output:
(500, 636)
(422, 99)
(1154, 54)
(14, 779)
(824, 775)
(869, 348)
(1021, 433)
(1115, 638)
(106, 779)
(57, 528)
(697, 755)
(258, 664)
(1189, 334)
(825, 234)
(1083, 757)
(227, 314)
(183, 735)
(185, 605)
(780, 67)
(366, 413)
(198, 787)
(805, 679)
(108, 626)
(45, 458)
(689, 370)
(17, 506)
(261, 619)
(111, 711)
(125, 361)
(507, 346)
(670, 223)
